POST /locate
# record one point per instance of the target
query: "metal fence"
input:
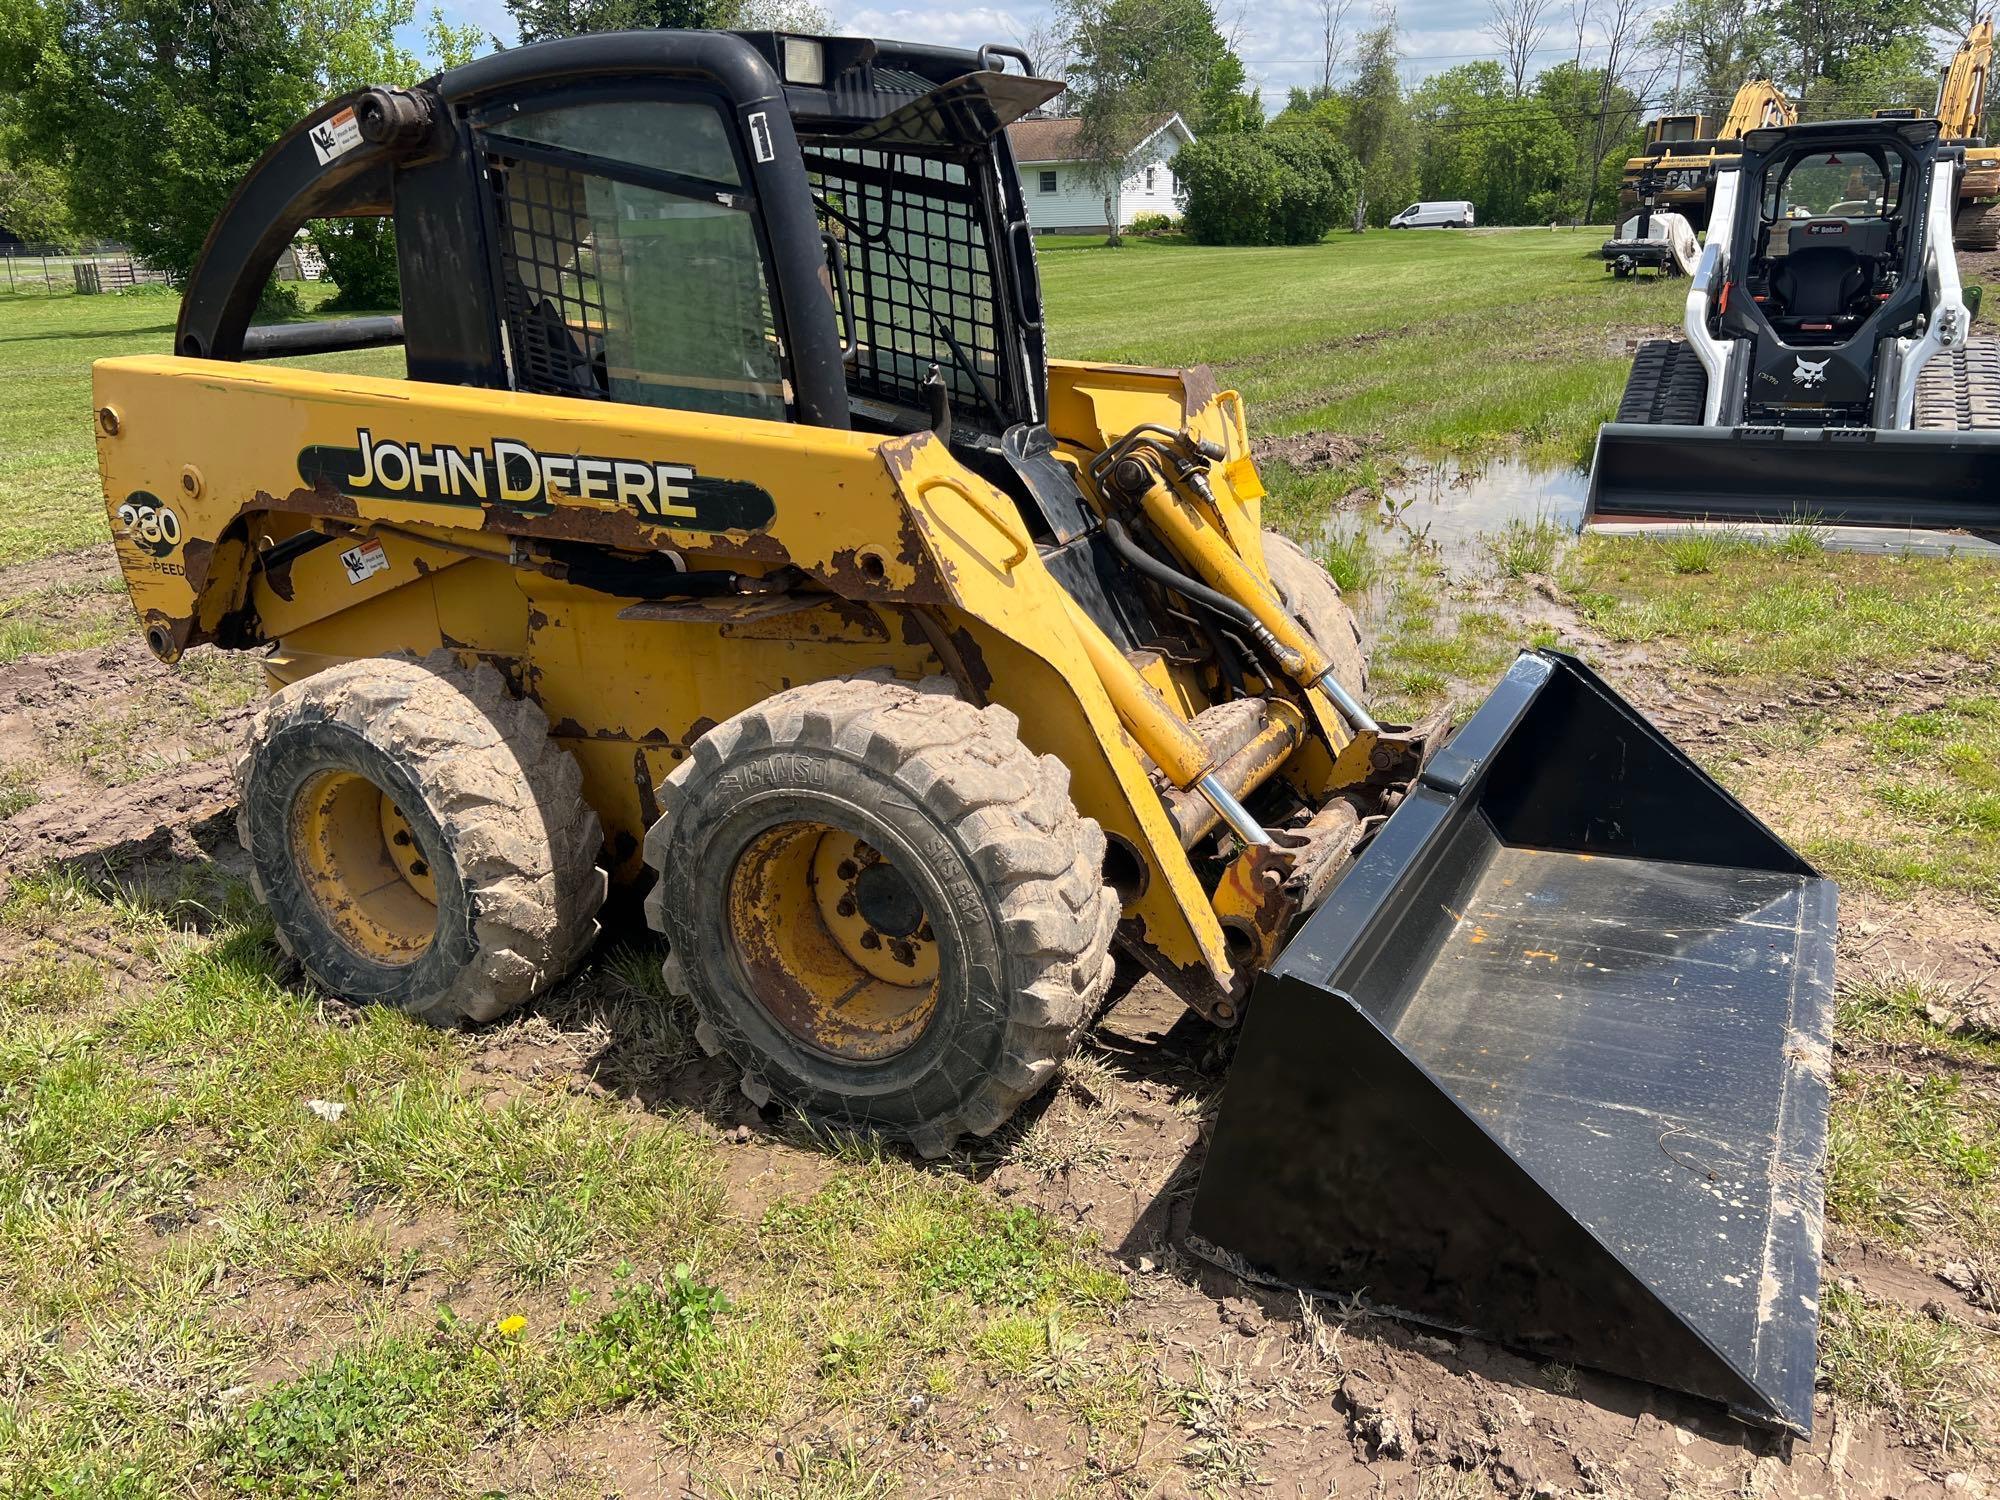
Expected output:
(46, 270)
(50, 269)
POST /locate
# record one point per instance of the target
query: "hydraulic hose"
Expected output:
(1214, 599)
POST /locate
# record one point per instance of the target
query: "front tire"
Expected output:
(884, 909)
(1312, 598)
(419, 838)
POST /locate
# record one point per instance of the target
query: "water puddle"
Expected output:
(1447, 509)
(1437, 528)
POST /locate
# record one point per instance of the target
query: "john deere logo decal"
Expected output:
(533, 482)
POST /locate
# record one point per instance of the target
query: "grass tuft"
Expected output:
(1350, 559)
(1527, 546)
(1804, 538)
(1694, 550)
(1934, 1377)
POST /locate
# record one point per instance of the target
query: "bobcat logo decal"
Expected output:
(1809, 374)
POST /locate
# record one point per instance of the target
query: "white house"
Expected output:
(1062, 198)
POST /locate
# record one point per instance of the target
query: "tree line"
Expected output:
(1538, 133)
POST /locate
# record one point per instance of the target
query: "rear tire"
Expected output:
(1959, 390)
(419, 838)
(1311, 597)
(883, 907)
(1667, 386)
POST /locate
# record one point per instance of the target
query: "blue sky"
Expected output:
(1277, 39)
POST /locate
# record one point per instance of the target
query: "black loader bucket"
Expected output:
(1837, 476)
(1551, 1063)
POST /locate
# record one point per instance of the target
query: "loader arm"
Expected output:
(1758, 105)
(1961, 97)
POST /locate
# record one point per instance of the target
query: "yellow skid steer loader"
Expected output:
(733, 538)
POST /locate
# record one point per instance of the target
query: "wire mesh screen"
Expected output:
(920, 267)
(618, 291)
(553, 298)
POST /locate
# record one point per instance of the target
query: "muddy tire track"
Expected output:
(178, 748)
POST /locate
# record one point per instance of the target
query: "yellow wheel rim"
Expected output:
(834, 941)
(363, 867)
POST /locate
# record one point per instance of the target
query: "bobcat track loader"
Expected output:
(1827, 366)
(732, 537)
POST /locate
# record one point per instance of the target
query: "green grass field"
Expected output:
(1438, 343)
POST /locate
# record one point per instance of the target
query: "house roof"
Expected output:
(1055, 140)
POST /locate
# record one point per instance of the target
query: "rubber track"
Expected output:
(1667, 386)
(508, 798)
(1009, 810)
(1959, 390)
(1976, 226)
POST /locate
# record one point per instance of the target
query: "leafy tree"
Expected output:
(1482, 143)
(153, 110)
(1134, 60)
(1286, 186)
(1897, 73)
(540, 20)
(34, 194)
(1316, 185)
(1721, 44)
(1575, 95)
(1819, 41)
(1232, 186)
(452, 46)
(1377, 127)
(1227, 105)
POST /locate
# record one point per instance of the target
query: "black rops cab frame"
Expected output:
(812, 153)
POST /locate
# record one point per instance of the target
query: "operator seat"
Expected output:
(1820, 290)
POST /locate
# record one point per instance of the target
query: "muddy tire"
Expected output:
(884, 909)
(419, 838)
(1667, 385)
(1311, 597)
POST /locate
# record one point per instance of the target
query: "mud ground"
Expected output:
(127, 760)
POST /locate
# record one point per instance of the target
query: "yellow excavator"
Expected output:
(1961, 111)
(1682, 152)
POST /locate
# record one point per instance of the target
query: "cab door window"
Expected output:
(630, 260)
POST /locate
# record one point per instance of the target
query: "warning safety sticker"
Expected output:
(335, 136)
(364, 561)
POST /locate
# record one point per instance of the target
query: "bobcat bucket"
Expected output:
(1852, 476)
(1550, 1065)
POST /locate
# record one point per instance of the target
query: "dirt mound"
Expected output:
(1310, 452)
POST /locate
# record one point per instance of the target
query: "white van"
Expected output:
(1456, 214)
